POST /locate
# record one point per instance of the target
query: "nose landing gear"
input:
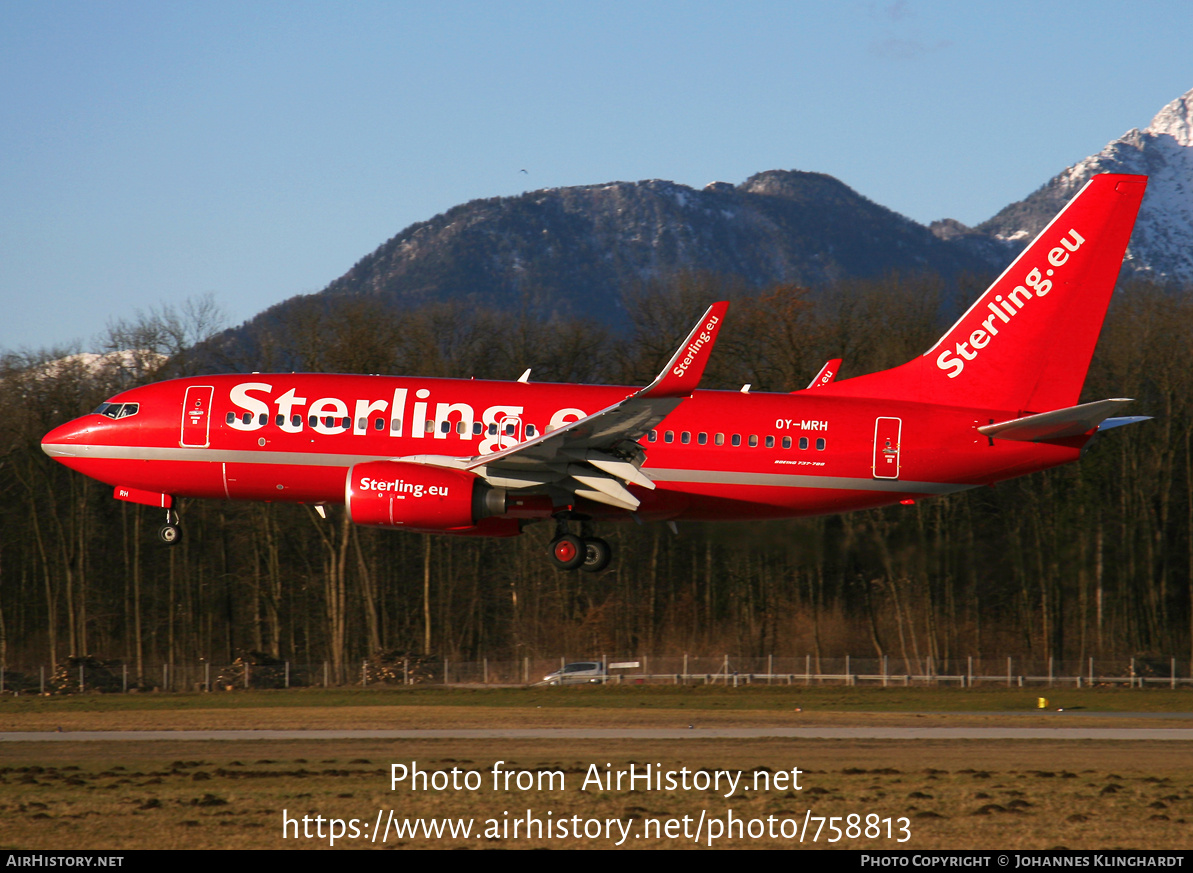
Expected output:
(170, 533)
(585, 552)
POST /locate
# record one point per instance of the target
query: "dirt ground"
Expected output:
(554, 793)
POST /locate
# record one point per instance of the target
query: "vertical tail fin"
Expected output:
(1026, 343)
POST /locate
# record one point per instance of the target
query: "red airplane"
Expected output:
(995, 398)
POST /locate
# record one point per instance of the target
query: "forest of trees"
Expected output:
(1090, 560)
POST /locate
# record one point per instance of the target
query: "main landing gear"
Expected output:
(170, 533)
(585, 552)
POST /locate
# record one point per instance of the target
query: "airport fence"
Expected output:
(94, 675)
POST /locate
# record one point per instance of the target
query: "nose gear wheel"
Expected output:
(170, 533)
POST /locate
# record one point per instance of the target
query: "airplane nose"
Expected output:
(60, 442)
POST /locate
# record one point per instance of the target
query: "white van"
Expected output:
(578, 673)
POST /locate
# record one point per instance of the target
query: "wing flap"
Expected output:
(607, 485)
(624, 470)
(607, 499)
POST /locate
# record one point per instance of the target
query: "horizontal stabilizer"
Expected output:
(1057, 424)
(1120, 421)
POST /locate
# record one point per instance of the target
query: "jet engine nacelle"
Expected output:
(419, 496)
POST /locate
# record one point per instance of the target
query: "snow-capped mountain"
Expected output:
(1162, 245)
(136, 362)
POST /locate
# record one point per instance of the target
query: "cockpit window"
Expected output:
(118, 410)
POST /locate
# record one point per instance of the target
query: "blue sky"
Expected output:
(154, 152)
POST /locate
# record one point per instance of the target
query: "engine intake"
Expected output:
(419, 496)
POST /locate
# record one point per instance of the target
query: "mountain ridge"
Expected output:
(589, 243)
(574, 251)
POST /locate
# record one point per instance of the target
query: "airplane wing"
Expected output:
(597, 456)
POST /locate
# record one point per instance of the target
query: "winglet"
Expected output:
(827, 374)
(682, 374)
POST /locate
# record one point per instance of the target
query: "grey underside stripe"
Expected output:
(789, 480)
(316, 459)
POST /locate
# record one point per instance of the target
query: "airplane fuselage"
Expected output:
(719, 455)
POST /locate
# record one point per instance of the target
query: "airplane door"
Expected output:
(510, 430)
(887, 433)
(196, 417)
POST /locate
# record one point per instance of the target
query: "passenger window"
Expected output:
(477, 427)
(820, 444)
(445, 427)
(247, 418)
(669, 436)
(530, 430)
(509, 430)
(770, 442)
(461, 427)
(493, 429)
(685, 437)
(379, 424)
(719, 439)
(231, 417)
(312, 420)
(786, 442)
(702, 438)
(803, 442)
(737, 439)
(753, 440)
(362, 424)
(653, 436)
(296, 420)
(263, 418)
(429, 427)
(395, 424)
